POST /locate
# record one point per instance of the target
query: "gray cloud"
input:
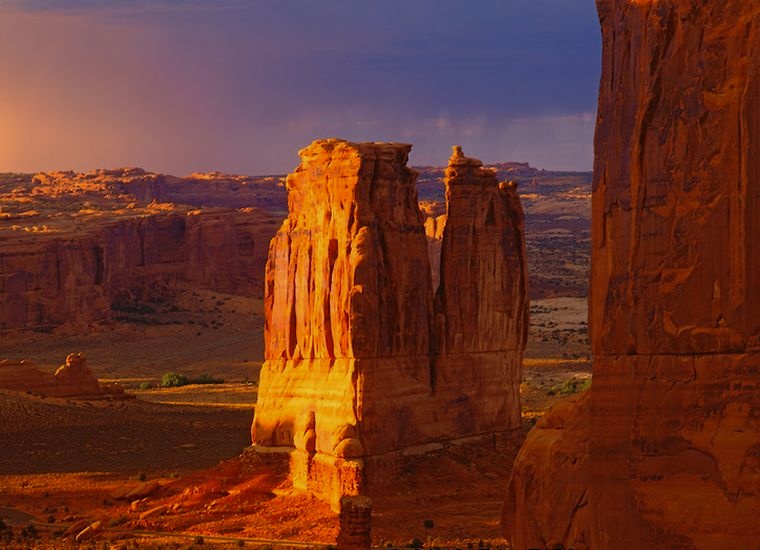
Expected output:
(240, 86)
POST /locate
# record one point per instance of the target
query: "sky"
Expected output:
(239, 86)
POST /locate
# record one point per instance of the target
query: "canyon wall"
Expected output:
(75, 278)
(664, 450)
(73, 246)
(362, 362)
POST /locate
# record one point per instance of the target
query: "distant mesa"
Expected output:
(365, 362)
(75, 247)
(72, 379)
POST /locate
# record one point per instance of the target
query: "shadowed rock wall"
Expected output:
(664, 450)
(49, 280)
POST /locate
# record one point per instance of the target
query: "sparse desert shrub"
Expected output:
(145, 385)
(173, 380)
(570, 386)
(415, 543)
(206, 378)
(428, 523)
(199, 540)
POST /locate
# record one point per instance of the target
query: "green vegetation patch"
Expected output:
(174, 379)
(571, 386)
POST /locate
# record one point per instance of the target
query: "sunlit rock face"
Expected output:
(74, 278)
(72, 379)
(664, 451)
(363, 363)
(74, 247)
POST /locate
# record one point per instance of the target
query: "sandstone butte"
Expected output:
(365, 364)
(72, 245)
(72, 379)
(664, 450)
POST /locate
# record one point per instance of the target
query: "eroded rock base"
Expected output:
(332, 478)
(364, 361)
(662, 452)
(355, 523)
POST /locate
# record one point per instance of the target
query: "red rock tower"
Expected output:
(361, 367)
(664, 451)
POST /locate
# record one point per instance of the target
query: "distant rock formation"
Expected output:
(50, 280)
(136, 183)
(362, 363)
(664, 450)
(72, 379)
(94, 240)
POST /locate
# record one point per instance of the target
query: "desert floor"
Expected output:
(64, 461)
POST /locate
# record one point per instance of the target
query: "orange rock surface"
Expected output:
(72, 379)
(664, 451)
(73, 245)
(361, 366)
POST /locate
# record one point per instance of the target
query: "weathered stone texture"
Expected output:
(360, 363)
(72, 379)
(675, 207)
(355, 523)
(480, 303)
(347, 263)
(663, 451)
(74, 244)
(74, 278)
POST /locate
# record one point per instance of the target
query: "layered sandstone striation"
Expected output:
(74, 246)
(362, 362)
(72, 379)
(664, 451)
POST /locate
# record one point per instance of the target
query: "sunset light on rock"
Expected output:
(379, 275)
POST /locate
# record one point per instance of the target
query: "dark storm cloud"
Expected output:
(240, 86)
(113, 6)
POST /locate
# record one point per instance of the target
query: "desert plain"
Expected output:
(72, 461)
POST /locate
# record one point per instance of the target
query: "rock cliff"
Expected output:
(362, 363)
(73, 245)
(76, 277)
(664, 451)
